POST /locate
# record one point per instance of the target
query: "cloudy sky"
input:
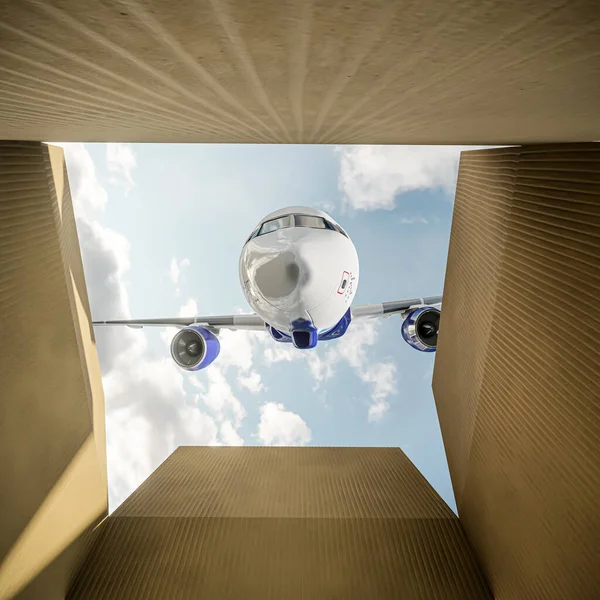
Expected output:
(161, 229)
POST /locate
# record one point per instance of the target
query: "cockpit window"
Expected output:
(336, 228)
(276, 224)
(295, 221)
(309, 221)
(253, 234)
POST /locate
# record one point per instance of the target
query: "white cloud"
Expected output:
(166, 335)
(238, 352)
(280, 427)
(195, 382)
(414, 221)
(121, 161)
(189, 308)
(326, 206)
(105, 256)
(352, 349)
(321, 369)
(86, 190)
(360, 336)
(148, 411)
(176, 268)
(378, 409)
(220, 399)
(215, 392)
(372, 176)
(279, 352)
(383, 378)
(252, 382)
(238, 348)
(127, 474)
(229, 435)
(147, 418)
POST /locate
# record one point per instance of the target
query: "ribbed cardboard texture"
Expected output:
(516, 378)
(282, 523)
(53, 487)
(322, 71)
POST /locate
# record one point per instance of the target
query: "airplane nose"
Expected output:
(280, 276)
(288, 273)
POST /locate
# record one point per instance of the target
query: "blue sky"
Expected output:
(161, 229)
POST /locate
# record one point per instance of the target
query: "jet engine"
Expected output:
(420, 328)
(194, 348)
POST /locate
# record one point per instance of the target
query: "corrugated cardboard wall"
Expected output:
(52, 445)
(322, 71)
(478, 230)
(527, 464)
(287, 483)
(282, 523)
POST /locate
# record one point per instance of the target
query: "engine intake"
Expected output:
(420, 328)
(194, 348)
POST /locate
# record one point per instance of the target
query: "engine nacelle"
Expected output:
(194, 348)
(420, 328)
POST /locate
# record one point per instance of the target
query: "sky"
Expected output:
(161, 228)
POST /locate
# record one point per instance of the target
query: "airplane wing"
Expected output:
(255, 323)
(387, 309)
(249, 322)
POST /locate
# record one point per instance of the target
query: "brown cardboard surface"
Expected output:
(301, 482)
(53, 469)
(311, 71)
(282, 523)
(516, 376)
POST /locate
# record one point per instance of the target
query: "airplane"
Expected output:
(299, 272)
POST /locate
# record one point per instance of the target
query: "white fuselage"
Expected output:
(299, 264)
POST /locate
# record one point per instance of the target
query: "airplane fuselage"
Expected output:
(299, 270)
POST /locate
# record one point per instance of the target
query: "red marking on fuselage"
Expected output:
(345, 277)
